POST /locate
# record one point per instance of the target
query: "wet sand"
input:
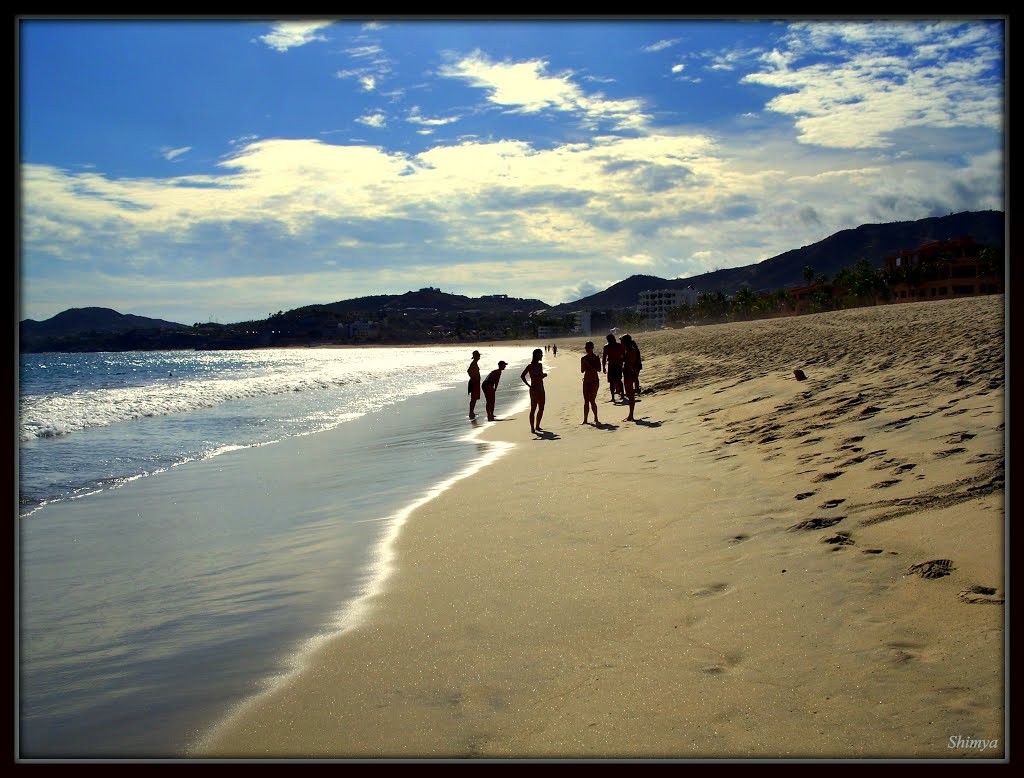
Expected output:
(758, 567)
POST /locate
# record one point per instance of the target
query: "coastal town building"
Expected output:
(942, 269)
(654, 304)
(581, 323)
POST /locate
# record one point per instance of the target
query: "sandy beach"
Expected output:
(758, 567)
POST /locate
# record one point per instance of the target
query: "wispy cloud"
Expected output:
(525, 87)
(415, 117)
(172, 154)
(661, 45)
(288, 35)
(874, 89)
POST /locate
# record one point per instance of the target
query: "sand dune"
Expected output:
(759, 567)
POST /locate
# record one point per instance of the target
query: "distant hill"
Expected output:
(873, 242)
(426, 299)
(101, 329)
(78, 321)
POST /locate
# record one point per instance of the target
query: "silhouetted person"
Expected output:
(630, 370)
(490, 387)
(536, 384)
(474, 383)
(590, 366)
(637, 363)
(611, 363)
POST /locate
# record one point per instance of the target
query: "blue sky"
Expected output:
(225, 169)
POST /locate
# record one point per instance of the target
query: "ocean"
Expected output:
(191, 523)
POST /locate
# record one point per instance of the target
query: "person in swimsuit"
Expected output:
(536, 384)
(630, 371)
(590, 366)
(490, 387)
(611, 363)
(474, 383)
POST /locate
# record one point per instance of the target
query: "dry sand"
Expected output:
(760, 567)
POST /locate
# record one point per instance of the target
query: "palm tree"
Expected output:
(711, 305)
(744, 302)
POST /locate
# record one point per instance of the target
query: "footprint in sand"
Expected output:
(980, 594)
(903, 469)
(949, 452)
(872, 551)
(805, 495)
(959, 437)
(901, 654)
(832, 503)
(710, 589)
(885, 484)
(827, 476)
(933, 568)
(738, 538)
(982, 458)
(819, 522)
(839, 539)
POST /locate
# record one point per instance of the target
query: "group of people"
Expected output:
(620, 360)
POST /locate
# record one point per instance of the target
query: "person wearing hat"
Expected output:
(474, 383)
(490, 387)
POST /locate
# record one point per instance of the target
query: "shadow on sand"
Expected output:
(645, 423)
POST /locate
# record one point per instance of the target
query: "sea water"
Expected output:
(190, 521)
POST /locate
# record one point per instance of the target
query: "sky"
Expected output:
(221, 170)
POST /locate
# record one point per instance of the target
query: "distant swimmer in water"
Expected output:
(490, 387)
(590, 366)
(536, 384)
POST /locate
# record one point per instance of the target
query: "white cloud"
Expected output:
(171, 154)
(288, 35)
(876, 89)
(661, 45)
(525, 87)
(479, 216)
(678, 68)
(415, 117)
(365, 51)
(373, 120)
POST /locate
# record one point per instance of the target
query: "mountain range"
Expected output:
(873, 242)
(843, 249)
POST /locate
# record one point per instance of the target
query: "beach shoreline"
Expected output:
(760, 567)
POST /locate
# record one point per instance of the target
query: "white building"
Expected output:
(653, 304)
(581, 323)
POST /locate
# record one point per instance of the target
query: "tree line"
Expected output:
(850, 287)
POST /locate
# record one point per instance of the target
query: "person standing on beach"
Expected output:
(611, 363)
(474, 383)
(630, 370)
(490, 387)
(634, 359)
(590, 366)
(536, 384)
